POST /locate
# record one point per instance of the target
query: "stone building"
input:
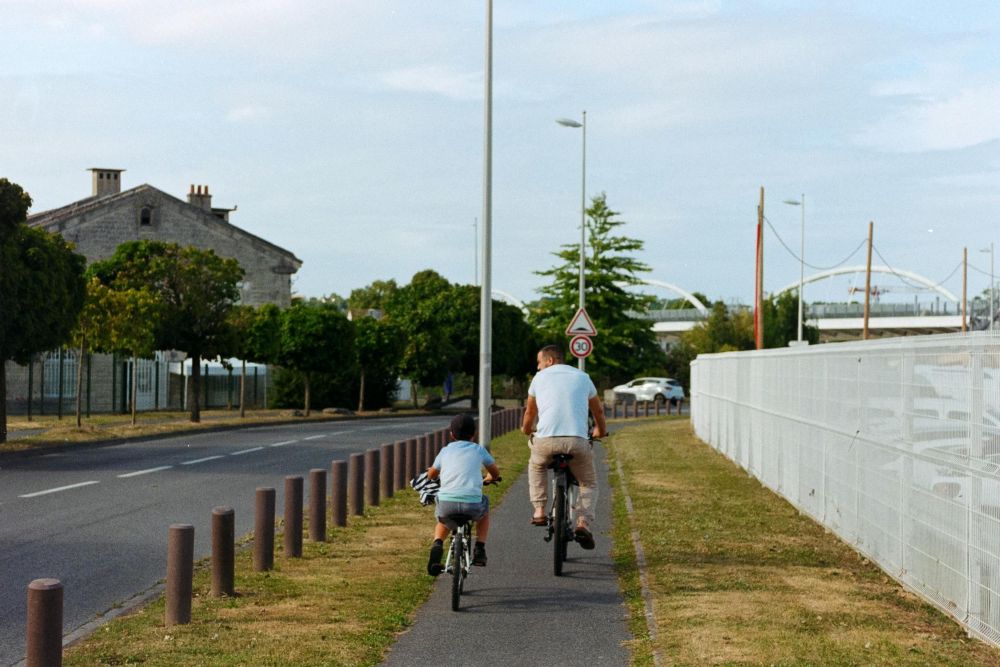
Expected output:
(97, 225)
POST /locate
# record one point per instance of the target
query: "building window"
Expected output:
(146, 216)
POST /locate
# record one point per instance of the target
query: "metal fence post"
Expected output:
(223, 551)
(317, 505)
(180, 572)
(45, 623)
(293, 516)
(263, 532)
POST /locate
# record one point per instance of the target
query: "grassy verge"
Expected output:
(342, 603)
(739, 577)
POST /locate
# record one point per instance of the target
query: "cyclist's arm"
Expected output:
(433, 473)
(530, 416)
(494, 472)
(597, 410)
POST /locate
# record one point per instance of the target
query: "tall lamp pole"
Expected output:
(566, 122)
(486, 289)
(991, 311)
(802, 254)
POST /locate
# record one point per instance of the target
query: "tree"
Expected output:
(256, 336)
(626, 345)
(376, 345)
(196, 288)
(316, 338)
(41, 288)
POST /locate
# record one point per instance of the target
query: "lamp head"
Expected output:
(566, 122)
(792, 202)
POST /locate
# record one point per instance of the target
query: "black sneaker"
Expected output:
(434, 566)
(479, 554)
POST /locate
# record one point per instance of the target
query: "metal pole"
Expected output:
(965, 287)
(581, 362)
(868, 283)
(802, 262)
(992, 306)
(486, 291)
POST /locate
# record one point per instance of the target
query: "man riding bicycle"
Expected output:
(559, 399)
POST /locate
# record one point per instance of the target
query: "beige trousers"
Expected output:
(582, 466)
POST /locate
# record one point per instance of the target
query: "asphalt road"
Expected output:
(97, 519)
(515, 611)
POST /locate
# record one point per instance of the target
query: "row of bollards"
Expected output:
(633, 408)
(362, 479)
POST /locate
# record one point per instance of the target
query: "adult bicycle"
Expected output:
(459, 560)
(564, 491)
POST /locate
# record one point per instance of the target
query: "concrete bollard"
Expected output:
(338, 493)
(263, 530)
(411, 459)
(385, 473)
(399, 464)
(372, 477)
(223, 551)
(317, 505)
(656, 408)
(45, 623)
(645, 408)
(356, 484)
(180, 574)
(293, 516)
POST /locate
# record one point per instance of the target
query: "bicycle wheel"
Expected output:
(457, 569)
(559, 525)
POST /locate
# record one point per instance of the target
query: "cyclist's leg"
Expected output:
(582, 466)
(541, 453)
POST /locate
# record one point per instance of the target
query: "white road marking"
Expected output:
(207, 458)
(282, 444)
(58, 489)
(144, 472)
(315, 437)
(246, 451)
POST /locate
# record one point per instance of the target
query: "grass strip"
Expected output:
(342, 603)
(740, 577)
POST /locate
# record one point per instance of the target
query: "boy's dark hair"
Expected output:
(463, 426)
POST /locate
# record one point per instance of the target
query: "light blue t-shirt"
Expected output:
(561, 393)
(460, 465)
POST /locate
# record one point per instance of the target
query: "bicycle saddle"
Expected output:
(460, 518)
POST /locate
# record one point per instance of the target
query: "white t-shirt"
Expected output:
(561, 393)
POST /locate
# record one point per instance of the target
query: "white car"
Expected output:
(650, 389)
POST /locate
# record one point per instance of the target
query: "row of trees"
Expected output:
(152, 295)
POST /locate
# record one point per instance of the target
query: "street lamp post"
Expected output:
(486, 286)
(991, 311)
(566, 122)
(802, 254)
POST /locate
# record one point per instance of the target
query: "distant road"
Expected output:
(97, 518)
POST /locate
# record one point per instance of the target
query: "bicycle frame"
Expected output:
(564, 491)
(459, 560)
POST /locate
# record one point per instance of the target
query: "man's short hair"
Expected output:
(553, 352)
(463, 426)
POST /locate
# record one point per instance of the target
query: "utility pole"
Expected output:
(758, 313)
(965, 285)
(868, 281)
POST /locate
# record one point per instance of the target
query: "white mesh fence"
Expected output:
(892, 444)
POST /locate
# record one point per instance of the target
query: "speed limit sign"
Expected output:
(581, 346)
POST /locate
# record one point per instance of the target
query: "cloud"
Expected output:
(958, 120)
(436, 80)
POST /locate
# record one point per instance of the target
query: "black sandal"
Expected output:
(539, 521)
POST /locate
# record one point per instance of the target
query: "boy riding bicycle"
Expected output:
(458, 466)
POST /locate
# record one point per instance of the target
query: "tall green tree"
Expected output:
(625, 345)
(316, 338)
(377, 344)
(197, 290)
(41, 288)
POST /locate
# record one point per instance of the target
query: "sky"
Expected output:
(351, 132)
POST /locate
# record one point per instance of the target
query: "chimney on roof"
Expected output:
(105, 181)
(199, 197)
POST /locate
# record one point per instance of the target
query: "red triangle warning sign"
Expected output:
(581, 325)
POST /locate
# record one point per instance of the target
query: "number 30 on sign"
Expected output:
(581, 346)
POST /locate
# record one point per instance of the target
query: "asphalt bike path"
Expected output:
(515, 611)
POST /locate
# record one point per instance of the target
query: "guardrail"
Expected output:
(894, 445)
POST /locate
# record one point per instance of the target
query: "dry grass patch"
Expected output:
(739, 577)
(342, 603)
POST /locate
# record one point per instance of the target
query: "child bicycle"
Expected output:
(459, 559)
